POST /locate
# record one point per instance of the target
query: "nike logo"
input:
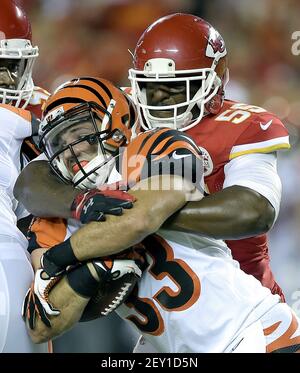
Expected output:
(264, 127)
(179, 156)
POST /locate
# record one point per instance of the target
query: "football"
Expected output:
(109, 297)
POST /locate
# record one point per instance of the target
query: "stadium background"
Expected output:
(92, 37)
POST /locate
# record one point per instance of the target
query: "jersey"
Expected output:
(16, 125)
(39, 96)
(29, 148)
(193, 297)
(236, 130)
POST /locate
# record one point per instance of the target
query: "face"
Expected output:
(83, 152)
(168, 93)
(11, 71)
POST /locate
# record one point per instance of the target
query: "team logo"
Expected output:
(54, 114)
(207, 162)
(215, 45)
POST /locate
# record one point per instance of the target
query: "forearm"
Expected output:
(234, 213)
(98, 239)
(118, 233)
(47, 198)
(71, 306)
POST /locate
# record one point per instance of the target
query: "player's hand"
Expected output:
(36, 302)
(113, 269)
(94, 204)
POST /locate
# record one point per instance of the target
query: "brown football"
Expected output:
(109, 297)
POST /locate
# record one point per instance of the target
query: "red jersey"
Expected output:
(236, 130)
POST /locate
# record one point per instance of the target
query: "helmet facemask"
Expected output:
(78, 145)
(17, 57)
(198, 86)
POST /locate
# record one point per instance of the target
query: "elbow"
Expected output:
(41, 335)
(264, 219)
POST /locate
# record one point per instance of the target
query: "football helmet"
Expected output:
(84, 124)
(17, 55)
(186, 54)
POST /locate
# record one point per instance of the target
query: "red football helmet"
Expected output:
(17, 55)
(180, 48)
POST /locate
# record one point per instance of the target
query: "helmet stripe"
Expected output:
(92, 90)
(64, 100)
(100, 84)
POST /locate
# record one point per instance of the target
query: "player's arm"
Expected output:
(177, 161)
(53, 305)
(233, 213)
(69, 296)
(70, 305)
(42, 193)
(116, 234)
(249, 203)
(67, 305)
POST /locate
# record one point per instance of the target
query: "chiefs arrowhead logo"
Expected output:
(215, 45)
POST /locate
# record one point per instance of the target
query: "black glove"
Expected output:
(94, 204)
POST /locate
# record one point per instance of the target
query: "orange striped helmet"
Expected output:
(85, 122)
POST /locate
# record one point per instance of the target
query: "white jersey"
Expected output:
(193, 297)
(15, 126)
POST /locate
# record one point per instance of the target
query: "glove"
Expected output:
(36, 301)
(136, 253)
(94, 204)
(113, 269)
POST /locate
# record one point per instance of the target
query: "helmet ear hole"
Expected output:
(118, 136)
(215, 104)
(125, 119)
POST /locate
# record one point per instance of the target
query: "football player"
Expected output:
(95, 130)
(193, 297)
(17, 56)
(178, 80)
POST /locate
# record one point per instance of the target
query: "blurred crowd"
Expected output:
(94, 37)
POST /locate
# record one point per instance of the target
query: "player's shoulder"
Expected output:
(242, 113)
(251, 129)
(154, 147)
(9, 111)
(160, 140)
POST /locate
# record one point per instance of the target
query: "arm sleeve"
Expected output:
(265, 133)
(257, 172)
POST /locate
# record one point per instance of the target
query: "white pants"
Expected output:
(277, 330)
(16, 275)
